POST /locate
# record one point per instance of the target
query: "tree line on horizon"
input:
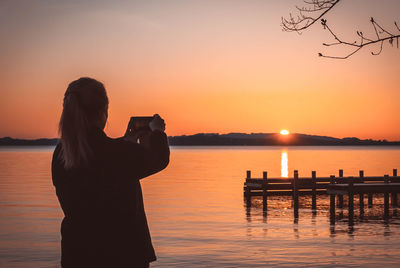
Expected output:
(239, 139)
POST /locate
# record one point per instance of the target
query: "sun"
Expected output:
(284, 132)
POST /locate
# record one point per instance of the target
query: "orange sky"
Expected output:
(205, 66)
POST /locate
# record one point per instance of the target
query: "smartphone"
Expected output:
(139, 123)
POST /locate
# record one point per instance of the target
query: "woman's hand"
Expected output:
(157, 123)
(143, 136)
(136, 136)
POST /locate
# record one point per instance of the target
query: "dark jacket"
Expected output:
(105, 223)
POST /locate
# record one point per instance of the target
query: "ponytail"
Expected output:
(85, 103)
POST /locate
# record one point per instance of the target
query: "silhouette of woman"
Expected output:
(97, 182)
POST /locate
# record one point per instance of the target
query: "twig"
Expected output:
(304, 20)
(364, 41)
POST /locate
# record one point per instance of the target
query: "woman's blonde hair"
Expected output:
(84, 107)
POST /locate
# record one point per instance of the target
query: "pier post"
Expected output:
(340, 197)
(314, 191)
(361, 195)
(386, 199)
(351, 200)
(370, 200)
(296, 194)
(394, 194)
(370, 197)
(248, 174)
(264, 187)
(332, 203)
(248, 192)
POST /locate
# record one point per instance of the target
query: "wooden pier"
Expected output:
(334, 186)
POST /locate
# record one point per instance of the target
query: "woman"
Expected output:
(97, 182)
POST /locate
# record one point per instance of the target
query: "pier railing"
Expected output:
(332, 185)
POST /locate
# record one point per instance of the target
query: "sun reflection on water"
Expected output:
(284, 164)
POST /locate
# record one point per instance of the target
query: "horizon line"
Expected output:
(227, 133)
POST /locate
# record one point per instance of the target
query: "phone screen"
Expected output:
(139, 123)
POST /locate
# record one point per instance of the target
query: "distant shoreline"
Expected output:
(7, 141)
(234, 139)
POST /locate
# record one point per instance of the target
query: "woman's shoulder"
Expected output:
(57, 149)
(56, 152)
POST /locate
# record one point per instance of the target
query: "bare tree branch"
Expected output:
(302, 21)
(381, 36)
(321, 7)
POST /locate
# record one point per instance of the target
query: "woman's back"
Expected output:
(105, 223)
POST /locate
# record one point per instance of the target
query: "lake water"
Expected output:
(197, 214)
